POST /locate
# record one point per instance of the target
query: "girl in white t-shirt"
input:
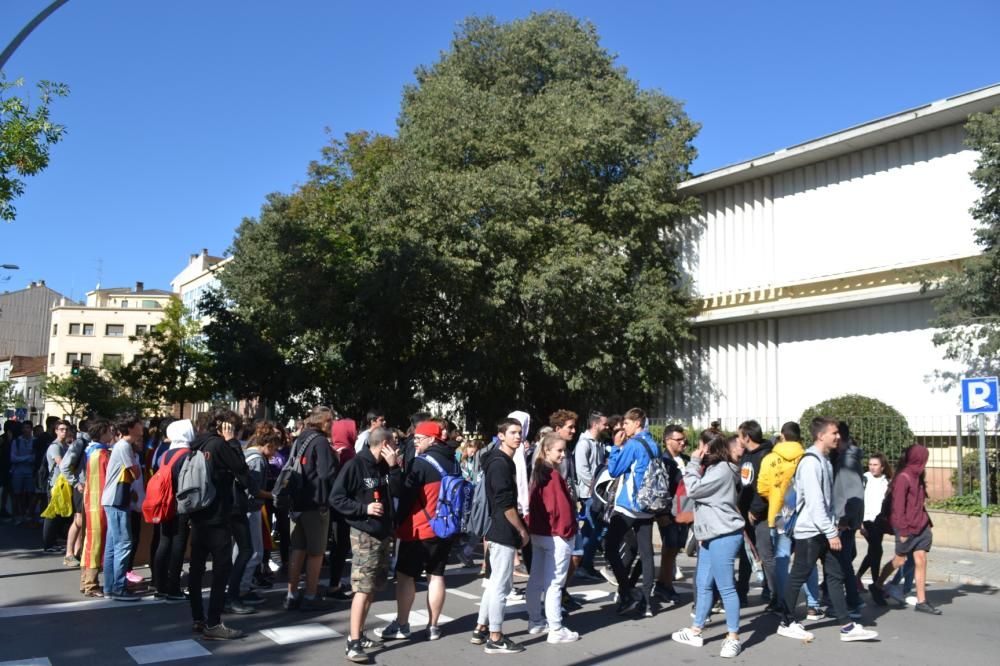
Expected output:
(876, 484)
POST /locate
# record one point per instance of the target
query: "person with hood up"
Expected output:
(420, 548)
(718, 527)
(343, 438)
(169, 558)
(912, 527)
(630, 462)
(753, 507)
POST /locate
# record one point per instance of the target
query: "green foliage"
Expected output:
(516, 246)
(90, 393)
(8, 397)
(967, 504)
(26, 135)
(969, 302)
(875, 426)
(173, 367)
(970, 473)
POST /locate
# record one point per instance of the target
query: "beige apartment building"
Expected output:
(98, 334)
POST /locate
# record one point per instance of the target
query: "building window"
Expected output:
(55, 330)
(74, 329)
(70, 357)
(151, 305)
(85, 360)
(141, 329)
(88, 329)
(114, 330)
(112, 361)
(124, 303)
(52, 358)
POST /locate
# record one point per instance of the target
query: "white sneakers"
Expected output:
(730, 648)
(562, 635)
(688, 637)
(855, 632)
(795, 630)
(535, 628)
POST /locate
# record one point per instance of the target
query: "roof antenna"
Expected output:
(100, 273)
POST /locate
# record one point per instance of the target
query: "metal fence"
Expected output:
(953, 464)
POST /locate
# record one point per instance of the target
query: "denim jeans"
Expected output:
(715, 564)
(117, 547)
(254, 522)
(592, 533)
(782, 557)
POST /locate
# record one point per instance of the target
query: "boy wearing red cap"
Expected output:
(419, 548)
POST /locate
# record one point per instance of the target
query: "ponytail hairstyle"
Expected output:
(541, 469)
(718, 450)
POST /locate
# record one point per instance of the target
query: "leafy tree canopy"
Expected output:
(969, 302)
(26, 135)
(515, 246)
(874, 425)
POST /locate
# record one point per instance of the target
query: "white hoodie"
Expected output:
(180, 433)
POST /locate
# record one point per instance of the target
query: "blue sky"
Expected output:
(185, 114)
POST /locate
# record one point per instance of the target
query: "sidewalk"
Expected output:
(966, 567)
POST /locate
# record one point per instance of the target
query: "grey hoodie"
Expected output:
(849, 487)
(814, 493)
(714, 495)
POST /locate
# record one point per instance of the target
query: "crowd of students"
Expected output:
(399, 504)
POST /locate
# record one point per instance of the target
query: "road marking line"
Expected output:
(70, 606)
(302, 633)
(418, 618)
(157, 652)
(465, 595)
(35, 661)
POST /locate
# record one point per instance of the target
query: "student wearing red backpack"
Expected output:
(174, 529)
(419, 547)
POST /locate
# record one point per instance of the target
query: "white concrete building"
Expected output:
(197, 277)
(805, 262)
(26, 375)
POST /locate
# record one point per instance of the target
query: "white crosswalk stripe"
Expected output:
(300, 633)
(157, 652)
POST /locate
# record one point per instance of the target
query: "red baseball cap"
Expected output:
(430, 429)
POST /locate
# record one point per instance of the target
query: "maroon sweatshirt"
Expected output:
(551, 510)
(909, 517)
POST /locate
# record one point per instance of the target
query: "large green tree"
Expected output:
(173, 367)
(515, 246)
(26, 134)
(90, 393)
(969, 301)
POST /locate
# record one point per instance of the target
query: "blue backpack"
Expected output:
(454, 500)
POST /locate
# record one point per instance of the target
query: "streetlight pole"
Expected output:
(26, 30)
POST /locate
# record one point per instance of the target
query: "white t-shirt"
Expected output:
(875, 489)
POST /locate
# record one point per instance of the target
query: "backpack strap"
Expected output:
(649, 452)
(435, 464)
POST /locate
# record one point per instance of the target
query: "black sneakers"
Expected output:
(924, 607)
(878, 596)
(355, 652)
(503, 645)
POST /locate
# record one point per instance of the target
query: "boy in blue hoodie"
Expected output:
(629, 462)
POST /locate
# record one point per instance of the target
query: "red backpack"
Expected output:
(160, 504)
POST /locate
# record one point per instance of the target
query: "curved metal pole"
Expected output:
(26, 30)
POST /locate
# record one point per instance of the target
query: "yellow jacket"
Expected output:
(776, 472)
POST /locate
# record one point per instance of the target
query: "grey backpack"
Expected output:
(654, 494)
(195, 490)
(478, 518)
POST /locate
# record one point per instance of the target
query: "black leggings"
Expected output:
(51, 529)
(217, 541)
(873, 559)
(135, 532)
(169, 559)
(340, 533)
(643, 529)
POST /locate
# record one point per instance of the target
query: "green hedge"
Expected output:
(875, 426)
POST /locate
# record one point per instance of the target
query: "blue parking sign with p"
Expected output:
(980, 395)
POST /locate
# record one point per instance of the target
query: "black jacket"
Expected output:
(501, 491)
(355, 489)
(230, 477)
(750, 501)
(318, 472)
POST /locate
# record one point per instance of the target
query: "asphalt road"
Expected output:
(42, 616)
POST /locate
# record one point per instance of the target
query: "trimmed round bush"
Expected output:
(875, 426)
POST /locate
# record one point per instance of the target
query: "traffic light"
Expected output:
(76, 369)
